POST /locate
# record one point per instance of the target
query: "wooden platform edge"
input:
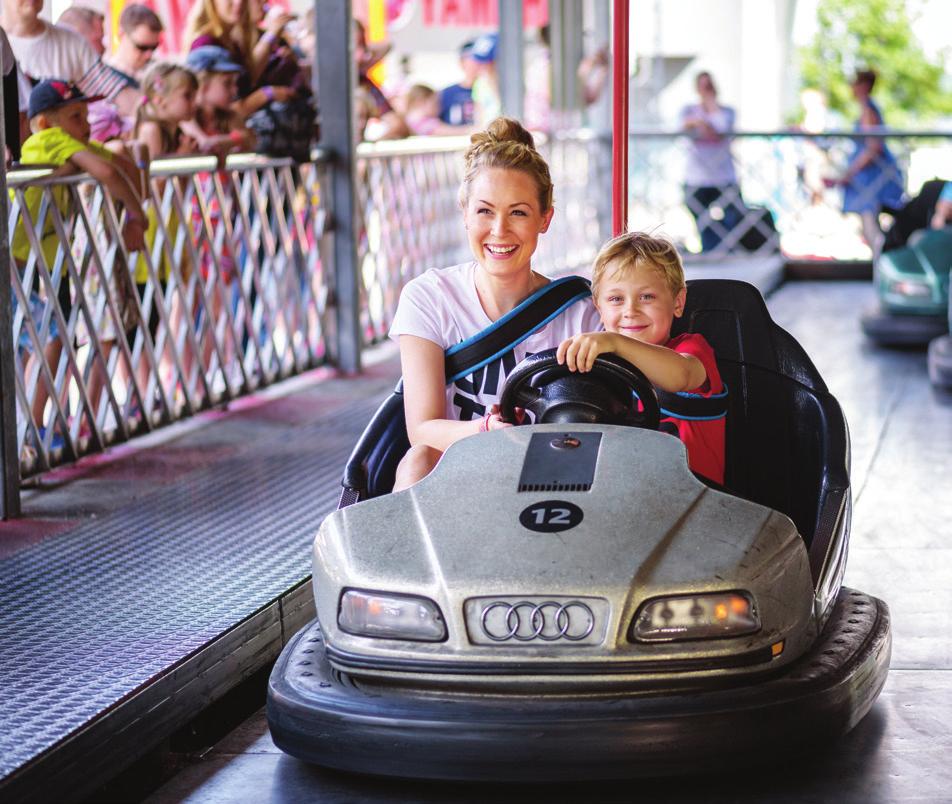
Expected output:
(117, 737)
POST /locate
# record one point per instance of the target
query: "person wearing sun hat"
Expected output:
(218, 128)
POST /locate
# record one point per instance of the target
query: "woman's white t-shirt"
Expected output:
(442, 306)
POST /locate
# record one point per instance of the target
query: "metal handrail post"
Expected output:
(511, 64)
(336, 81)
(9, 459)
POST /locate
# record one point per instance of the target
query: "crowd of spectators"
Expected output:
(272, 95)
(270, 104)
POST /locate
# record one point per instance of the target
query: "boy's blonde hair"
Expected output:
(630, 251)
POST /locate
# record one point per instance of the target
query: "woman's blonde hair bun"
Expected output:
(503, 129)
(505, 143)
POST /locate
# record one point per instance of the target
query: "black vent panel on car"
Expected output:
(560, 462)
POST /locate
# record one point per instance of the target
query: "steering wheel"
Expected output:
(601, 396)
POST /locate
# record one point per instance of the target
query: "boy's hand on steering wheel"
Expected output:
(578, 353)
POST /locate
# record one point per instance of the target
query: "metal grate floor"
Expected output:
(92, 615)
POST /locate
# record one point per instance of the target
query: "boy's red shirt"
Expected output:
(704, 440)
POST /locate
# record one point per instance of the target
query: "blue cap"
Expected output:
(484, 48)
(52, 93)
(212, 59)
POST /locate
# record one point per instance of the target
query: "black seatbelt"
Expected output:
(514, 327)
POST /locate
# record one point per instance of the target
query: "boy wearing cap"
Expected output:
(58, 120)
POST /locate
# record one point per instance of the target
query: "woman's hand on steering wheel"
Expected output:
(494, 420)
(578, 353)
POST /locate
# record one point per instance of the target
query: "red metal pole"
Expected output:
(620, 117)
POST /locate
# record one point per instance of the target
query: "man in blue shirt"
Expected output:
(456, 101)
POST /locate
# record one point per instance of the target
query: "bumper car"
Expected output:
(912, 278)
(940, 358)
(566, 600)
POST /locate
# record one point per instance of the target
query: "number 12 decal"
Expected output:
(551, 516)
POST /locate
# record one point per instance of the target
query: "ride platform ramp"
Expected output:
(143, 584)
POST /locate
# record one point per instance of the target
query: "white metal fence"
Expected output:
(229, 295)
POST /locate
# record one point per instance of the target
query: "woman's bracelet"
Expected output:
(236, 137)
(484, 424)
(268, 36)
(268, 93)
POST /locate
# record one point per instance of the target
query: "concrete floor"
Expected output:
(901, 550)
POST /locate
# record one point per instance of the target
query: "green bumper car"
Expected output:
(913, 287)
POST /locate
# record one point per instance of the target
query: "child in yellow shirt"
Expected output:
(58, 120)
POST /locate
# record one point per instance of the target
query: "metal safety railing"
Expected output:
(229, 295)
(787, 195)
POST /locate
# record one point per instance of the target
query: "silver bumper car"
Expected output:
(567, 600)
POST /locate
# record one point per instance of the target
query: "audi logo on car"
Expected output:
(549, 621)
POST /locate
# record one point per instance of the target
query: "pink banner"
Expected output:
(466, 13)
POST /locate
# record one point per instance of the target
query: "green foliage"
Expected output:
(874, 34)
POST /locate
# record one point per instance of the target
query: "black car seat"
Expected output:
(787, 439)
(914, 215)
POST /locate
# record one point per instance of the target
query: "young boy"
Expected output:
(638, 289)
(58, 120)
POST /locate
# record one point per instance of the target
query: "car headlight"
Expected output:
(390, 616)
(705, 616)
(904, 287)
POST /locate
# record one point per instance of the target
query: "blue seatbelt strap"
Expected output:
(513, 328)
(692, 407)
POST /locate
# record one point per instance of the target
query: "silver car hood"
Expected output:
(648, 527)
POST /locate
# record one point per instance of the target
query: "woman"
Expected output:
(506, 200)
(710, 180)
(872, 179)
(231, 24)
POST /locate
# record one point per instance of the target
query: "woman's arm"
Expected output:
(424, 397)
(667, 369)
(273, 24)
(248, 105)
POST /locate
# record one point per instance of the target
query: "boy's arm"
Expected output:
(107, 174)
(135, 176)
(665, 368)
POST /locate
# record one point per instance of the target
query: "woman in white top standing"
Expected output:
(710, 179)
(506, 201)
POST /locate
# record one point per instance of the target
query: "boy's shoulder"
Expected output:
(53, 146)
(689, 342)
